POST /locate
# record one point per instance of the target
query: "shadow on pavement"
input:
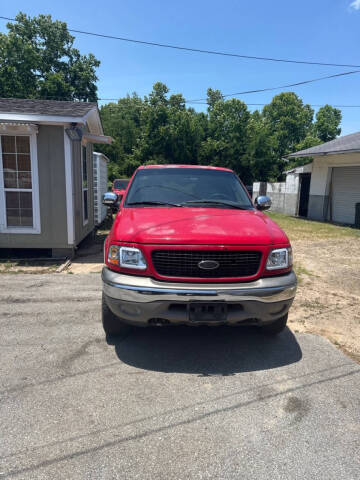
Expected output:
(206, 351)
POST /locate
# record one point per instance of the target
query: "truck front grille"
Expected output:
(185, 263)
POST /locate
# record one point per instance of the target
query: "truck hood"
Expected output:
(196, 226)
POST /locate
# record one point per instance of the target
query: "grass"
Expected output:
(300, 271)
(300, 229)
(27, 266)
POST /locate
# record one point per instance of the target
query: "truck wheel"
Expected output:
(275, 327)
(112, 324)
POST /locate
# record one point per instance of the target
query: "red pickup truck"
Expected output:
(188, 246)
(119, 186)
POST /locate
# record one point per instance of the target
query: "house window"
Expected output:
(84, 174)
(17, 181)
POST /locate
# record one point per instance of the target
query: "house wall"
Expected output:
(53, 217)
(320, 182)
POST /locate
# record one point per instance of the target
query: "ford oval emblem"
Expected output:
(208, 264)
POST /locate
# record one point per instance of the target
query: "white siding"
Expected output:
(321, 171)
(345, 193)
(100, 186)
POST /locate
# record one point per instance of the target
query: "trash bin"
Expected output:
(357, 215)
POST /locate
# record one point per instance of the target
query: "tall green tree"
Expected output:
(38, 60)
(227, 136)
(170, 133)
(288, 120)
(327, 125)
(122, 121)
(261, 160)
(213, 96)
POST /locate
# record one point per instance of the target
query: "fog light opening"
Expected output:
(158, 322)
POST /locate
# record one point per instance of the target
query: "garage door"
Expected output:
(345, 192)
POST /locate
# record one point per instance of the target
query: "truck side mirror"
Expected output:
(263, 202)
(110, 199)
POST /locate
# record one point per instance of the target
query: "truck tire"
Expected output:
(275, 327)
(112, 324)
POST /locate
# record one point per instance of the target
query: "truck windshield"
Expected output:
(191, 187)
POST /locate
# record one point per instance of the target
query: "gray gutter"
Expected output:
(317, 154)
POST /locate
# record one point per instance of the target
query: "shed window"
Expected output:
(84, 175)
(17, 180)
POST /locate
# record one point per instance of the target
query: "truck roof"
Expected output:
(206, 167)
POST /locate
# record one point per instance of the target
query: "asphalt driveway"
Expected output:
(178, 403)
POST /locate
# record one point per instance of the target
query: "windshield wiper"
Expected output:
(215, 202)
(154, 203)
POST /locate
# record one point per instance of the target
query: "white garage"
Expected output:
(335, 179)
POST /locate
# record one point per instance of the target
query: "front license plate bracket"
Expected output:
(207, 312)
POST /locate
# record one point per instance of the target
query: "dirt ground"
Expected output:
(326, 260)
(328, 297)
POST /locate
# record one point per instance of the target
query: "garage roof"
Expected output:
(346, 144)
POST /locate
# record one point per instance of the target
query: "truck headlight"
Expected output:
(126, 257)
(279, 258)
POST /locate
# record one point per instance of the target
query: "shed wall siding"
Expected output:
(51, 170)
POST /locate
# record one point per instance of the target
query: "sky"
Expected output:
(314, 30)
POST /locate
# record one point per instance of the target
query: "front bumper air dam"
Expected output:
(142, 300)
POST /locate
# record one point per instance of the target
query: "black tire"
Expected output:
(112, 324)
(276, 327)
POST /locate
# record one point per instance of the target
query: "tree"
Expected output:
(213, 96)
(38, 60)
(308, 142)
(121, 121)
(263, 164)
(327, 125)
(288, 121)
(227, 136)
(170, 133)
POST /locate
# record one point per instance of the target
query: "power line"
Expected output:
(199, 50)
(249, 104)
(281, 86)
(304, 82)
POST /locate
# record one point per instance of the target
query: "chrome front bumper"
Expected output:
(143, 300)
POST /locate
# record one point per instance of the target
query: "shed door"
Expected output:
(345, 193)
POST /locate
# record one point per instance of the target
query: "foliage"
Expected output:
(308, 142)
(288, 120)
(161, 129)
(327, 123)
(38, 60)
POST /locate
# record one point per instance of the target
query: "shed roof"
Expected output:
(346, 144)
(46, 107)
(300, 169)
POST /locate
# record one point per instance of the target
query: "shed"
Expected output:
(334, 187)
(46, 174)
